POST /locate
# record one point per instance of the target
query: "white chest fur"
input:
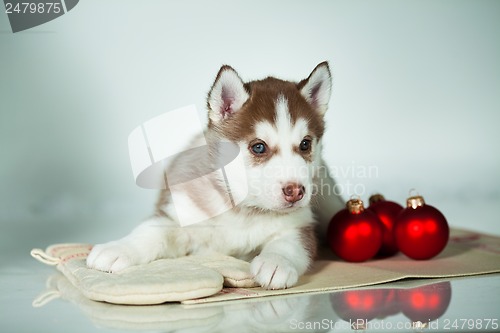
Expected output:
(242, 234)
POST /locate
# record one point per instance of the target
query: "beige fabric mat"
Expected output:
(200, 280)
(467, 253)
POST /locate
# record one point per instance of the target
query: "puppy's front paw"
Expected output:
(112, 257)
(272, 271)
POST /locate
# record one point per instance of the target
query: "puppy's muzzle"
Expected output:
(293, 192)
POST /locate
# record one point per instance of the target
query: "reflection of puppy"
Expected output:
(278, 126)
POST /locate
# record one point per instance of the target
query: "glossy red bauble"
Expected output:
(387, 211)
(355, 234)
(421, 231)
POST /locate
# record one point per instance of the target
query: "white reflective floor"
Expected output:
(36, 298)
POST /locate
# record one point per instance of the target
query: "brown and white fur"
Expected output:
(278, 126)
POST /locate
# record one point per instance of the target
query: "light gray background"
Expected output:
(416, 96)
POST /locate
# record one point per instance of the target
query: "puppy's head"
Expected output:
(278, 126)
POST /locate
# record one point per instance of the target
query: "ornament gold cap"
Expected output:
(355, 206)
(415, 201)
(376, 198)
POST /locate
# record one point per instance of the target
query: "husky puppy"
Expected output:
(278, 127)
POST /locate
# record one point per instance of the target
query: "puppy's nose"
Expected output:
(293, 192)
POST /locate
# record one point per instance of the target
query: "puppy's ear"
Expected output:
(227, 95)
(316, 89)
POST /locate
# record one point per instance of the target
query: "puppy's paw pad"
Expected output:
(111, 257)
(274, 272)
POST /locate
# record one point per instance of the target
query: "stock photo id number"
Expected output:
(25, 15)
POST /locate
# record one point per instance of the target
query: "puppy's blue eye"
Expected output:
(259, 148)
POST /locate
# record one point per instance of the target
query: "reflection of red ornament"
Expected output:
(358, 306)
(426, 303)
(355, 234)
(391, 303)
(421, 231)
(386, 212)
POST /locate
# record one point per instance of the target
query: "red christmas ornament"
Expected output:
(355, 234)
(387, 211)
(421, 230)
